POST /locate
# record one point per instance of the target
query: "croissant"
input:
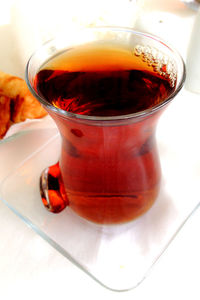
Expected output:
(4, 115)
(16, 102)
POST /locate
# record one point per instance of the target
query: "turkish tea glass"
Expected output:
(109, 169)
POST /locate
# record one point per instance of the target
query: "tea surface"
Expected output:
(100, 80)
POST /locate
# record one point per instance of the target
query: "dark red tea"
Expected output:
(111, 172)
(101, 82)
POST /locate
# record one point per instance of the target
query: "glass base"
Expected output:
(117, 256)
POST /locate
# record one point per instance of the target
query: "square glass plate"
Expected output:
(118, 257)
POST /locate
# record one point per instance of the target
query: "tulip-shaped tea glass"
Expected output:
(105, 88)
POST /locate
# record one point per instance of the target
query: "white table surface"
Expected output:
(29, 267)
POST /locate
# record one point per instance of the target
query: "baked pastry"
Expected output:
(16, 102)
(4, 115)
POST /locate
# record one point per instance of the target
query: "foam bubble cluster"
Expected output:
(160, 62)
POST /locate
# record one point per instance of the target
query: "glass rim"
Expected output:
(142, 113)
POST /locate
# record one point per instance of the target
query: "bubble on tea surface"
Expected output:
(160, 62)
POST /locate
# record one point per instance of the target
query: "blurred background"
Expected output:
(28, 24)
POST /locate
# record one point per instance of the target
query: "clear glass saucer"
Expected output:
(118, 257)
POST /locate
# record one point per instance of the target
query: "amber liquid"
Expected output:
(111, 173)
(101, 82)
